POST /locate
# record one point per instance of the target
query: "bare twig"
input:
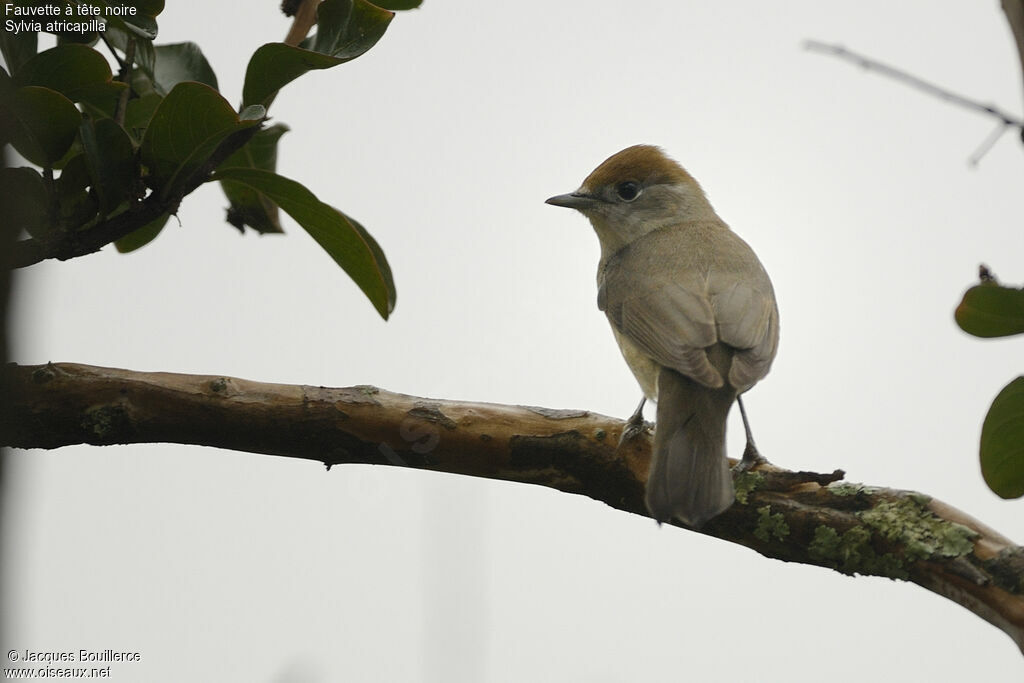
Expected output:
(801, 517)
(1006, 120)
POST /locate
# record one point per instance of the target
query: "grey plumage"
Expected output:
(693, 311)
(698, 325)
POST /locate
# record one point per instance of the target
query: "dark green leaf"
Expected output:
(18, 48)
(142, 236)
(342, 238)
(348, 28)
(249, 207)
(74, 177)
(138, 114)
(143, 79)
(43, 123)
(25, 201)
(141, 22)
(78, 208)
(1002, 442)
(180, 62)
(6, 115)
(90, 23)
(345, 30)
(991, 310)
(78, 72)
(111, 160)
(186, 129)
(398, 4)
(274, 65)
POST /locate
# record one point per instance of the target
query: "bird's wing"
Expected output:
(747, 319)
(666, 312)
(675, 295)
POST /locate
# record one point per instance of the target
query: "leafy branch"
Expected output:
(114, 157)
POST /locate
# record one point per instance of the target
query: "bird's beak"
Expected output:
(574, 200)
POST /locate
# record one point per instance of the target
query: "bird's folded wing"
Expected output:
(675, 310)
(672, 322)
(744, 310)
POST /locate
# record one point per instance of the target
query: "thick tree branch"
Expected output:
(792, 516)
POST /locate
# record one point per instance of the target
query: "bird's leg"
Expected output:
(635, 424)
(751, 456)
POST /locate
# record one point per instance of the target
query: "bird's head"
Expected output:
(635, 191)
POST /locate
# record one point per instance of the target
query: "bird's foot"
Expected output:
(635, 427)
(751, 459)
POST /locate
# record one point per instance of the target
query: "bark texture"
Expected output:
(806, 517)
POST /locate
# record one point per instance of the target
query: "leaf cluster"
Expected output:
(111, 156)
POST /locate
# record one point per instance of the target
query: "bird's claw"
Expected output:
(751, 459)
(635, 426)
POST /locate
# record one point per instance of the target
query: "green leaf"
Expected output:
(274, 65)
(78, 207)
(991, 310)
(186, 129)
(349, 28)
(138, 114)
(1002, 442)
(25, 201)
(346, 29)
(111, 161)
(141, 22)
(141, 237)
(90, 22)
(78, 72)
(43, 123)
(180, 62)
(6, 115)
(398, 4)
(342, 238)
(142, 78)
(18, 48)
(249, 207)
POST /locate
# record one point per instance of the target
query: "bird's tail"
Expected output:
(689, 479)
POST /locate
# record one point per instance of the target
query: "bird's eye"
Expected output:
(628, 190)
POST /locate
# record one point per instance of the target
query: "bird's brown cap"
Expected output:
(645, 164)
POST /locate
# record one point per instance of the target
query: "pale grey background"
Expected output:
(444, 141)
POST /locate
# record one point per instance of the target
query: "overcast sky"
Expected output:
(444, 141)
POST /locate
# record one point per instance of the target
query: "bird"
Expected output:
(695, 316)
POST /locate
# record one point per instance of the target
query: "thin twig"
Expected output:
(988, 143)
(120, 62)
(1006, 120)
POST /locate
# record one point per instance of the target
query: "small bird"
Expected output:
(693, 312)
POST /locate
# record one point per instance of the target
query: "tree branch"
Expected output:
(305, 19)
(803, 517)
(1006, 121)
(69, 245)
